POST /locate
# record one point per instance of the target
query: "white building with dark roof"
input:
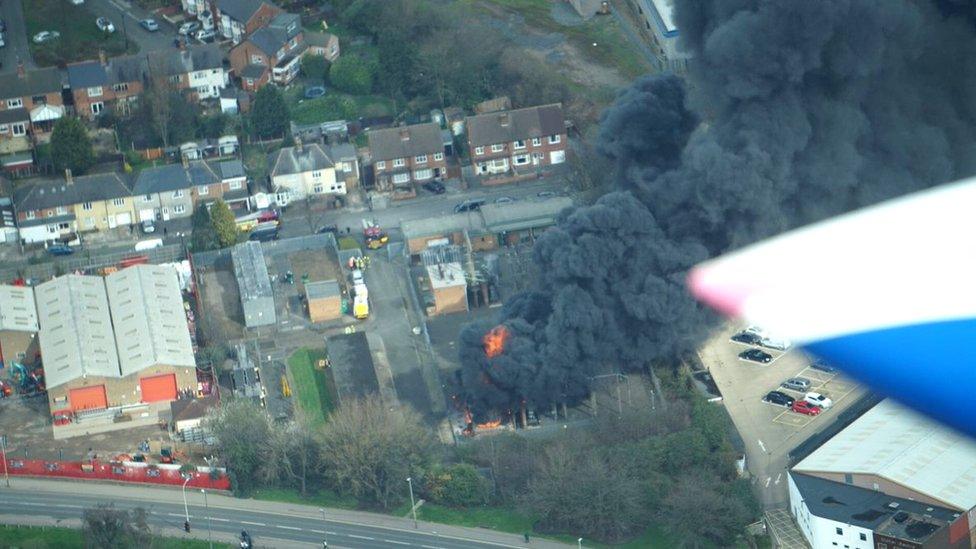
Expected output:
(254, 284)
(303, 171)
(18, 325)
(659, 24)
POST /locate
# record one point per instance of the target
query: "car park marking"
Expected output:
(778, 476)
(767, 481)
(791, 418)
(253, 523)
(761, 445)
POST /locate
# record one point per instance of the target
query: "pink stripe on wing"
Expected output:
(726, 296)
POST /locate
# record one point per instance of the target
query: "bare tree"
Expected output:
(242, 430)
(294, 454)
(158, 97)
(370, 449)
(106, 527)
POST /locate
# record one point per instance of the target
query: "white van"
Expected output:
(149, 244)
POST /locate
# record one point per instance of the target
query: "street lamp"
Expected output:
(413, 506)
(325, 536)
(209, 524)
(186, 509)
(579, 543)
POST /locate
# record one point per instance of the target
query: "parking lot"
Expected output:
(770, 431)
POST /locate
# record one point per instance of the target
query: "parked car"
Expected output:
(60, 249)
(46, 36)
(747, 338)
(77, 2)
(148, 227)
(314, 91)
(104, 25)
(149, 24)
(821, 364)
(327, 229)
(755, 355)
(805, 408)
(470, 205)
(188, 28)
(818, 399)
(505, 200)
(774, 343)
(206, 35)
(435, 187)
(800, 384)
(546, 194)
(779, 398)
(264, 235)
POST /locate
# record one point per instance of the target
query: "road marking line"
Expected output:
(219, 519)
(432, 547)
(360, 537)
(177, 515)
(253, 523)
(778, 475)
(761, 445)
(396, 542)
(316, 531)
(283, 527)
(767, 481)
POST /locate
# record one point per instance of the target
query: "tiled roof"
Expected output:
(405, 141)
(290, 160)
(508, 126)
(171, 177)
(240, 10)
(51, 193)
(34, 82)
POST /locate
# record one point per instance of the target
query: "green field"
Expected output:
(312, 387)
(67, 538)
(80, 38)
(334, 105)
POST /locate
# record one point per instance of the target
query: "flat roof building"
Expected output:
(18, 324)
(449, 288)
(254, 284)
(324, 300)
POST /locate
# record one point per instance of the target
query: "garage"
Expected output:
(157, 388)
(123, 219)
(88, 398)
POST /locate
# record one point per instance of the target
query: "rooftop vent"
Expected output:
(830, 500)
(901, 517)
(893, 505)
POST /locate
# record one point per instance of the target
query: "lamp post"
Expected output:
(325, 536)
(186, 509)
(3, 446)
(209, 524)
(579, 543)
(413, 505)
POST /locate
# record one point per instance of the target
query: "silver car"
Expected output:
(800, 384)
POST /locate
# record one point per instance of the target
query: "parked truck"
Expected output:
(360, 307)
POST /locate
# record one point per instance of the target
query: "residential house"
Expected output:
(517, 141)
(38, 91)
(346, 161)
(172, 190)
(239, 18)
(303, 171)
(197, 70)
(115, 82)
(323, 44)
(233, 181)
(14, 131)
(271, 54)
(406, 155)
(8, 220)
(195, 7)
(49, 209)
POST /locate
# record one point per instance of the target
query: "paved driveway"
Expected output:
(768, 431)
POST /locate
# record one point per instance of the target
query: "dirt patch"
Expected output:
(317, 264)
(224, 316)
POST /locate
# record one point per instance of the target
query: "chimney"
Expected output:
(503, 119)
(299, 145)
(404, 134)
(102, 59)
(21, 72)
(67, 176)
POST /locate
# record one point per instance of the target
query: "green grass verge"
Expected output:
(322, 498)
(67, 538)
(80, 38)
(312, 387)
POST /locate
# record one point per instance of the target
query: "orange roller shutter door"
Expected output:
(87, 398)
(157, 388)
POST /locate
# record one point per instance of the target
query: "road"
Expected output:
(269, 524)
(15, 37)
(119, 11)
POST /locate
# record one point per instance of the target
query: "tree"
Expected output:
(369, 450)
(269, 116)
(242, 430)
(213, 126)
(457, 485)
(70, 146)
(106, 527)
(575, 491)
(158, 98)
(294, 455)
(315, 67)
(223, 223)
(204, 237)
(352, 75)
(695, 496)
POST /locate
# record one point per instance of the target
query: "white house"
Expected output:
(303, 171)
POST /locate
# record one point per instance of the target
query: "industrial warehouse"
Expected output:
(113, 345)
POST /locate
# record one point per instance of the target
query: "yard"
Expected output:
(334, 105)
(314, 388)
(80, 38)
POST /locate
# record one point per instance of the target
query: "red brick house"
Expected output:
(115, 82)
(237, 19)
(517, 142)
(271, 54)
(38, 91)
(407, 155)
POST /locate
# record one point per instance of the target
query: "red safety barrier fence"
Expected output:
(119, 471)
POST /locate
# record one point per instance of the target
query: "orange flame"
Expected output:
(489, 425)
(494, 341)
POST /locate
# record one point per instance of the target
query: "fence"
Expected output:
(43, 271)
(123, 471)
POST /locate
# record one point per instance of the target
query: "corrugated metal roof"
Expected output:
(442, 225)
(522, 215)
(322, 289)
(900, 445)
(251, 271)
(76, 329)
(150, 323)
(18, 313)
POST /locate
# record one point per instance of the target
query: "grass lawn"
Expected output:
(256, 161)
(334, 105)
(61, 538)
(311, 386)
(322, 498)
(612, 47)
(80, 38)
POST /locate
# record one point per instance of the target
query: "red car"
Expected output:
(804, 407)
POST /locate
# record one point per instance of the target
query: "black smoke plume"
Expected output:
(792, 111)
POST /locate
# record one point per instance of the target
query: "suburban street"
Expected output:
(33, 501)
(15, 37)
(119, 11)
